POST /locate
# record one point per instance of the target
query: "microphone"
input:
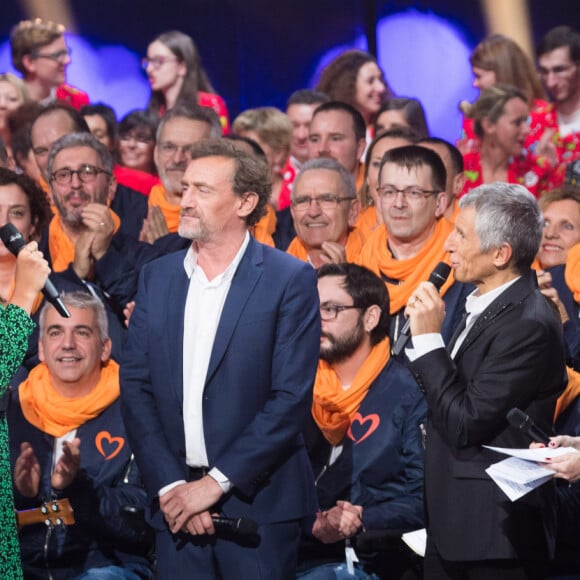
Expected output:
(520, 420)
(237, 526)
(437, 278)
(14, 241)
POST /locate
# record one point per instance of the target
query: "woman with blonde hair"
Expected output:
(271, 129)
(500, 121)
(498, 59)
(13, 93)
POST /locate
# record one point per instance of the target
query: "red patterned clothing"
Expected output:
(216, 103)
(72, 96)
(289, 174)
(533, 172)
(470, 142)
(568, 147)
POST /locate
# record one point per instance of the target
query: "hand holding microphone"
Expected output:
(31, 272)
(426, 302)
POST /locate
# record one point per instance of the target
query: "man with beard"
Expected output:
(81, 180)
(365, 437)
(217, 378)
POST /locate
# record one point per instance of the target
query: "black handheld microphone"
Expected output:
(520, 420)
(14, 241)
(237, 526)
(437, 278)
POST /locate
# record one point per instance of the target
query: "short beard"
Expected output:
(341, 349)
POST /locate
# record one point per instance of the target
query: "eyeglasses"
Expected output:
(411, 193)
(58, 56)
(168, 149)
(156, 61)
(325, 201)
(139, 137)
(330, 311)
(558, 71)
(85, 173)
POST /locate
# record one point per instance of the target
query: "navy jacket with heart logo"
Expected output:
(107, 481)
(380, 465)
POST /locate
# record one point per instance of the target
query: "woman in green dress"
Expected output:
(15, 328)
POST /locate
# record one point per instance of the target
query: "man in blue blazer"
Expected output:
(217, 380)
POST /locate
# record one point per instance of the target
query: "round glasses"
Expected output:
(86, 174)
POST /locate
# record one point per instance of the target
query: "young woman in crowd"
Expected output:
(498, 59)
(500, 121)
(136, 167)
(402, 112)
(354, 77)
(176, 75)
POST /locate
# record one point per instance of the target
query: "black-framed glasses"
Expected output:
(156, 61)
(57, 56)
(324, 201)
(330, 311)
(86, 174)
(412, 192)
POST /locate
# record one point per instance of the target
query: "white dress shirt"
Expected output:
(203, 309)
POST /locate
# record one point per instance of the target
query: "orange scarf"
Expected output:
(171, 212)
(377, 257)
(572, 271)
(353, 247)
(55, 414)
(570, 393)
(61, 247)
(367, 220)
(264, 229)
(334, 407)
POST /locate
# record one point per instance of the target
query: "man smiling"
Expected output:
(324, 208)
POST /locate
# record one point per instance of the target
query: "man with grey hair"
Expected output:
(508, 354)
(68, 440)
(178, 130)
(81, 233)
(324, 208)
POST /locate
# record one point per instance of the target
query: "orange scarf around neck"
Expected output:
(367, 220)
(572, 271)
(171, 212)
(353, 247)
(55, 414)
(61, 247)
(377, 257)
(333, 407)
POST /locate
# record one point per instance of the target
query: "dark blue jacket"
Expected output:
(108, 480)
(381, 463)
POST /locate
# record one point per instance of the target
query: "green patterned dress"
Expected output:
(15, 328)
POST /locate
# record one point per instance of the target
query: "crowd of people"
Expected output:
(224, 400)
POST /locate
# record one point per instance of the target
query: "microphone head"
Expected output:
(247, 527)
(12, 238)
(440, 275)
(517, 418)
